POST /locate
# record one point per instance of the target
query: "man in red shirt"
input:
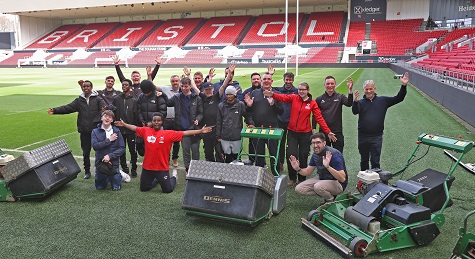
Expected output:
(158, 143)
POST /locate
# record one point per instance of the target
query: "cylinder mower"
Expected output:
(383, 217)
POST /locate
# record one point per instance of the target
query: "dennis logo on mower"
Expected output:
(216, 199)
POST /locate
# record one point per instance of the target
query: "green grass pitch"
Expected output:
(80, 222)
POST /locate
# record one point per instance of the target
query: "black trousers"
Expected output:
(149, 179)
(370, 149)
(298, 145)
(86, 146)
(260, 146)
(209, 145)
(129, 141)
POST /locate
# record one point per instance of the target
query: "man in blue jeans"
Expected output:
(109, 146)
(372, 112)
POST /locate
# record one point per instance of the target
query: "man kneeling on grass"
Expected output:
(332, 177)
(158, 143)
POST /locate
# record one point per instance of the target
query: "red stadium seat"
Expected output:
(87, 36)
(219, 31)
(55, 37)
(323, 27)
(171, 33)
(127, 35)
(270, 29)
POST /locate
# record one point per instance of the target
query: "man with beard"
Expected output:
(264, 111)
(109, 93)
(332, 176)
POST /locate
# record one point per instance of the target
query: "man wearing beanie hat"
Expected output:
(211, 99)
(229, 124)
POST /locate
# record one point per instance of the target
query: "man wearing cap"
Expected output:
(210, 99)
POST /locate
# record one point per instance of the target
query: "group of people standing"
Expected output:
(154, 120)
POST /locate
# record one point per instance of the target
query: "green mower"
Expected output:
(5, 192)
(383, 217)
(465, 247)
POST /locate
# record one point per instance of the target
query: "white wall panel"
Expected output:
(407, 9)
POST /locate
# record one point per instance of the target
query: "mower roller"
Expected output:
(383, 217)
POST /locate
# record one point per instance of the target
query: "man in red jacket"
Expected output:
(300, 128)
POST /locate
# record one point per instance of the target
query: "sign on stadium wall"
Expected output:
(368, 10)
(440, 10)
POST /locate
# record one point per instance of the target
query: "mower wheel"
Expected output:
(357, 246)
(311, 214)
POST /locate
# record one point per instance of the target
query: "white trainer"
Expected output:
(175, 174)
(125, 177)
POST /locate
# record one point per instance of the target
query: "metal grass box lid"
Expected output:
(232, 174)
(34, 159)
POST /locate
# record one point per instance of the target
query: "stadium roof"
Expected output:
(61, 9)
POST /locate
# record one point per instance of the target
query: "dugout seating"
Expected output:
(128, 34)
(171, 33)
(269, 29)
(55, 36)
(323, 27)
(87, 36)
(211, 33)
(356, 33)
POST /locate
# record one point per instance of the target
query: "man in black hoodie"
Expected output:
(127, 110)
(89, 107)
(148, 104)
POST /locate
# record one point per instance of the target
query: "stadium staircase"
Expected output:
(245, 31)
(146, 35)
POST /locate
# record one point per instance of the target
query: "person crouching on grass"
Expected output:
(158, 143)
(109, 146)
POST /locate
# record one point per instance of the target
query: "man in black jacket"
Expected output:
(127, 110)
(188, 115)
(109, 93)
(89, 107)
(264, 111)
